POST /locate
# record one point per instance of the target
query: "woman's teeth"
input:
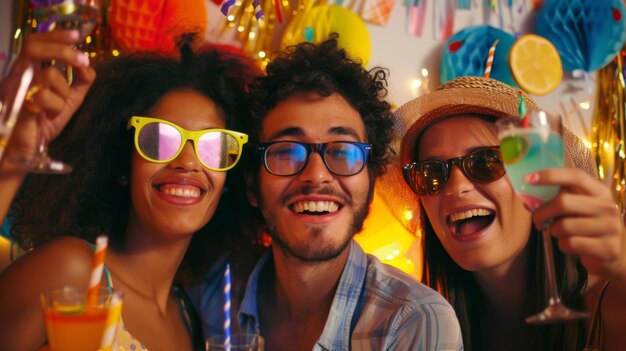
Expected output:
(455, 217)
(182, 192)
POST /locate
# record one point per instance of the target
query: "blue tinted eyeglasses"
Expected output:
(287, 158)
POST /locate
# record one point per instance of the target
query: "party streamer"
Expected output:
(279, 15)
(258, 11)
(226, 6)
(444, 19)
(415, 21)
(609, 127)
(464, 4)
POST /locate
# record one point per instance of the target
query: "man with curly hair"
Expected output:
(321, 130)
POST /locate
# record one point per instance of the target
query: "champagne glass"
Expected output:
(13, 90)
(81, 15)
(528, 145)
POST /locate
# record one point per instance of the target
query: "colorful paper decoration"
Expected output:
(143, 25)
(377, 11)
(444, 19)
(326, 19)
(587, 33)
(535, 64)
(415, 16)
(609, 127)
(465, 54)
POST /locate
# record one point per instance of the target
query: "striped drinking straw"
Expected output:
(227, 308)
(492, 52)
(113, 316)
(96, 270)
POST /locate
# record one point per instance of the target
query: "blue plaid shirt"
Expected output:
(376, 307)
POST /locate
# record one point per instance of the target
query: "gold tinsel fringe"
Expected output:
(609, 127)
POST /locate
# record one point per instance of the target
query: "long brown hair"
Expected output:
(459, 287)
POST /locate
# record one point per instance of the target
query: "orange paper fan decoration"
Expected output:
(146, 25)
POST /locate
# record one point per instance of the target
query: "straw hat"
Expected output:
(464, 95)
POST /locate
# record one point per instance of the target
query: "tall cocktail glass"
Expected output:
(531, 144)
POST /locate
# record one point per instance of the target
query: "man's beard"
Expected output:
(317, 251)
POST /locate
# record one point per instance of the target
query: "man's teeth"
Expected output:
(469, 214)
(182, 192)
(315, 206)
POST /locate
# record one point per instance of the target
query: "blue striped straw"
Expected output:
(227, 308)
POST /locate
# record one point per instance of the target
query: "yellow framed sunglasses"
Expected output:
(161, 141)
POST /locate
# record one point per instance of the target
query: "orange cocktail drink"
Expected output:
(75, 331)
(71, 323)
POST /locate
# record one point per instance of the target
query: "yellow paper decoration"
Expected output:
(326, 19)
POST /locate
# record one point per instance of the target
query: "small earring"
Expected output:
(122, 180)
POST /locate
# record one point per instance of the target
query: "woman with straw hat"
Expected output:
(480, 246)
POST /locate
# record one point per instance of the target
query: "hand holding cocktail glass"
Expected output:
(530, 144)
(47, 102)
(80, 16)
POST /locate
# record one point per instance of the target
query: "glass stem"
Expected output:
(42, 145)
(549, 257)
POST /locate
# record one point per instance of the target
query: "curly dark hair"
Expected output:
(90, 200)
(325, 68)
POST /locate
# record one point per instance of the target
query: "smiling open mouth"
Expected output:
(315, 208)
(470, 222)
(185, 191)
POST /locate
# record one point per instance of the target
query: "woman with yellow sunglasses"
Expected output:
(150, 147)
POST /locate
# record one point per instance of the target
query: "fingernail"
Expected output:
(82, 59)
(74, 35)
(532, 178)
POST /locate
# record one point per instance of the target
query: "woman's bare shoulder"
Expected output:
(63, 261)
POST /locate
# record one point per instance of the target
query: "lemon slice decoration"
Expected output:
(513, 148)
(69, 309)
(535, 64)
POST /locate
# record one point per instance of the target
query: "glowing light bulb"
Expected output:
(585, 105)
(408, 215)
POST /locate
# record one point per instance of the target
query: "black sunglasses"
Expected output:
(287, 158)
(430, 177)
